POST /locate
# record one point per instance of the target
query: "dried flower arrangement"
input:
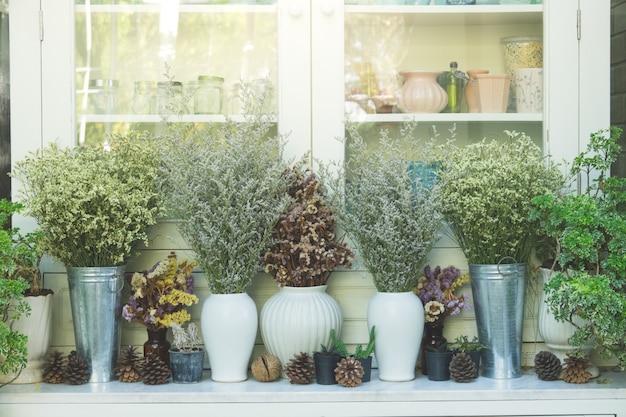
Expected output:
(488, 188)
(93, 204)
(186, 340)
(160, 296)
(224, 185)
(304, 249)
(392, 215)
(436, 290)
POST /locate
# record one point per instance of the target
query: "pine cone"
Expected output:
(76, 371)
(129, 365)
(54, 371)
(575, 372)
(300, 369)
(548, 366)
(349, 372)
(266, 368)
(155, 371)
(462, 368)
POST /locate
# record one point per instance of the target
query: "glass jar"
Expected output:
(208, 95)
(169, 98)
(104, 96)
(144, 100)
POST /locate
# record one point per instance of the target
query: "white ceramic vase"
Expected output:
(299, 319)
(529, 90)
(399, 321)
(37, 327)
(229, 325)
(421, 93)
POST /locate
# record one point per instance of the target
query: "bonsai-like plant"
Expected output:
(487, 188)
(13, 349)
(586, 232)
(392, 216)
(159, 297)
(93, 204)
(225, 185)
(186, 340)
(436, 291)
(463, 344)
(304, 250)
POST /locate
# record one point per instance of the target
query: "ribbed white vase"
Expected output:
(399, 321)
(299, 319)
(421, 93)
(229, 325)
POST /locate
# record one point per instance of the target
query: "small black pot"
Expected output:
(475, 356)
(187, 366)
(438, 365)
(325, 368)
(366, 363)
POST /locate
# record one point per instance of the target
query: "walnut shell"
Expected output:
(266, 368)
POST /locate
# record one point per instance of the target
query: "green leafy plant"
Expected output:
(93, 204)
(586, 234)
(304, 249)
(225, 186)
(391, 214)
(13, 349)
(488, 187)
(359, 352)
(463, 344)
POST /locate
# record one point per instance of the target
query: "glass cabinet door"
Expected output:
(142, 62)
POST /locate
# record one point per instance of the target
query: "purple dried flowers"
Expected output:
(436, 290)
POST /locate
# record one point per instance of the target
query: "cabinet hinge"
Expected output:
(578, 23)
(41, 25)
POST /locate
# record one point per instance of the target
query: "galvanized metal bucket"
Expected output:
(96, 301)
(498, 292)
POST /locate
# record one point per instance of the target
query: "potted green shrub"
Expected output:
(362, 354)
(488, 187)
(94, 205)
(585, 231)
(393, 217)
(225, 187)
(471, 347)
(302, 253)
(325, 361)
(26, 257)
(187, 355)
(13, 343)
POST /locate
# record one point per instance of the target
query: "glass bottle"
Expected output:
(169, 98)
(454, 88)
(144, 97)
(208, 95)
(433, 338)
(104, 97)
(158, 344)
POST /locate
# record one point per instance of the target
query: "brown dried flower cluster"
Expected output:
(304, 251)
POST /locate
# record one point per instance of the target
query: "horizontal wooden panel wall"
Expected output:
(352, 289)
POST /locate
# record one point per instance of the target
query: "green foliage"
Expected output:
(393, 217)
(463, 344)
(487, 188)
(586, 233)
(225, 186)
(93, 204)
(359, 352)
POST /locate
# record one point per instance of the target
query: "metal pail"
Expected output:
(498, 292)
(96, 301)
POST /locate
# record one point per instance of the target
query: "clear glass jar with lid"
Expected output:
(170, 99)
(144, 97)
(208, 95)
(103, 96)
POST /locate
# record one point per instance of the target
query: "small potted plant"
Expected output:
(471, 347)
(363, 355)
(438, 360)
(326, 360)
(436, 288)
(302, 253)
(393, 217)
(158, 299)
(187, 356)
(585, 232)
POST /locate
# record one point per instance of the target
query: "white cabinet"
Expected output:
(310, 50)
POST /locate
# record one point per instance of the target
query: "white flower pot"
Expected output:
(399, 321)
(229, 324)
(299, 319)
